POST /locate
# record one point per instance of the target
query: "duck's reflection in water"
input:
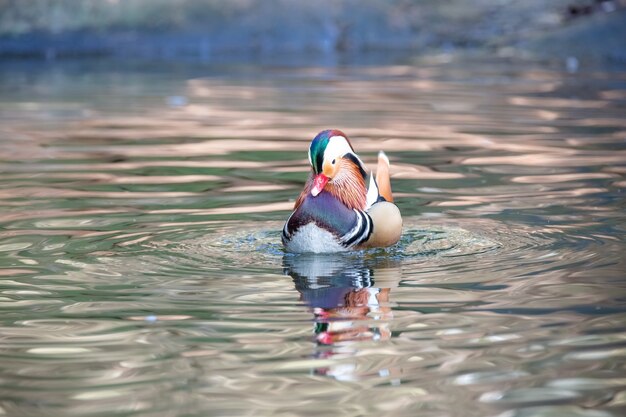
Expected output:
(349, 299)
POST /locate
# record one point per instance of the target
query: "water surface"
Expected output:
(141, 271)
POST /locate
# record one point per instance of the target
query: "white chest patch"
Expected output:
(310, 238)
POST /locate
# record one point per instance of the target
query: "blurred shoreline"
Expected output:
(211, 30)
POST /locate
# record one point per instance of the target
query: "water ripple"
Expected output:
(142, 271)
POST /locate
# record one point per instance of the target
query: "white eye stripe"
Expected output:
(337, 147)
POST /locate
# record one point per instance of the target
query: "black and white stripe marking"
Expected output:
(359, 233)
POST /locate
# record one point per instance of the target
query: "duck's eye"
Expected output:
(333, 162)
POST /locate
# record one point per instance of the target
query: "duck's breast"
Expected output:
(314, 239)
(319, 225)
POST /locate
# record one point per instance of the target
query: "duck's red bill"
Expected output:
(319, 182)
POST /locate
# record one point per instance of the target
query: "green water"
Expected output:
(141, 271)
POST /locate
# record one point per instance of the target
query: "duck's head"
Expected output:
(332, 159)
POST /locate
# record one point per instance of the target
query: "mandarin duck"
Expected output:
(336, 212)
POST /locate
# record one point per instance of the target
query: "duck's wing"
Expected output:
(383, 178)
(385, 216)
(379, 188)
(387, 225)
